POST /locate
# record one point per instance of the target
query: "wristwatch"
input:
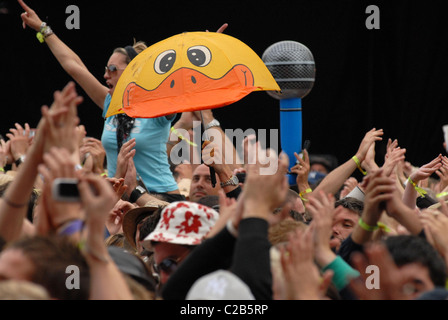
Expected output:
(213, 123)
(233, 181)
(136, 194)
(20, 160)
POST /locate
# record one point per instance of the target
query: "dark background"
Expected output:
(394, 78)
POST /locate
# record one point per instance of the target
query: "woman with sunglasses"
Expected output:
(151, 160)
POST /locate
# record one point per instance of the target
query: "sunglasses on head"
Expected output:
(112, 68)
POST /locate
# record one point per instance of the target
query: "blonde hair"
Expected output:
(279, 232)
(139, 292)
(119, 240)
(138, 46)
(22, 290)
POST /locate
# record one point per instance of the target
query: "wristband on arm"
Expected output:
(301, 194)
(342, 272)
(421, 191)
(358, 164)
(45, 32)
(369, 228)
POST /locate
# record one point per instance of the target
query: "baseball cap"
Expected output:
(219, 285)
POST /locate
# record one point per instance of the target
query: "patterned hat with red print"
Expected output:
(183, 222)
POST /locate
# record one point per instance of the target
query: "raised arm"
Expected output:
(261, 195)
(334, 180)
(13, 206)
(98, 198)
(67, 58)
(379, 188)
(424, 172)
(302, 169)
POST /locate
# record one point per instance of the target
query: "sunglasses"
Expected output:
(112, 68)
(169, 265)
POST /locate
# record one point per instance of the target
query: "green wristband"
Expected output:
(366, 227)
(342, 272)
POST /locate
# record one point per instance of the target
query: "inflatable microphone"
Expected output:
(292, 66)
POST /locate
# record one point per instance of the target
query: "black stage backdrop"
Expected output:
(392, 78)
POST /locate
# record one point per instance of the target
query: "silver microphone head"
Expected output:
(292, 66)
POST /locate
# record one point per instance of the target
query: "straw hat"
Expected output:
(134, 216)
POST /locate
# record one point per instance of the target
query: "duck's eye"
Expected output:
(200, 56)
(165, 61)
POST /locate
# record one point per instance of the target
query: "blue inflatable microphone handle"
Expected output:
(291, 131)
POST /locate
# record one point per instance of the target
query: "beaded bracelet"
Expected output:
(45, 31)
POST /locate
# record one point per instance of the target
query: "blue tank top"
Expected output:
(151, 160)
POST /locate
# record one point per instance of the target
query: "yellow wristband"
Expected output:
(441, 194)
(383, 227)
(301, 194)
(104, 174)
(40, 37)
(366, 227)
(2, 169)
(358, 164)
(421, 191)
(182, 137)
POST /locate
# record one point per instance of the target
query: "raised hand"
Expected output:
(303, 280)
(302, 169)
(97, 197)
(369, 161)
(29, 17)
(265, 192)
(118, 185)
(442, 173)
(62, 120)
(19, 140)
(127, 152)
(435, 224)
(58, 164)
(391, 279)
(94, 154)
(370, 138)
(427, 170)
(321, 207)
(393, 158)
(114, 221)
(379, 189)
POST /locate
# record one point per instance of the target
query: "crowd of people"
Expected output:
(145, 228)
